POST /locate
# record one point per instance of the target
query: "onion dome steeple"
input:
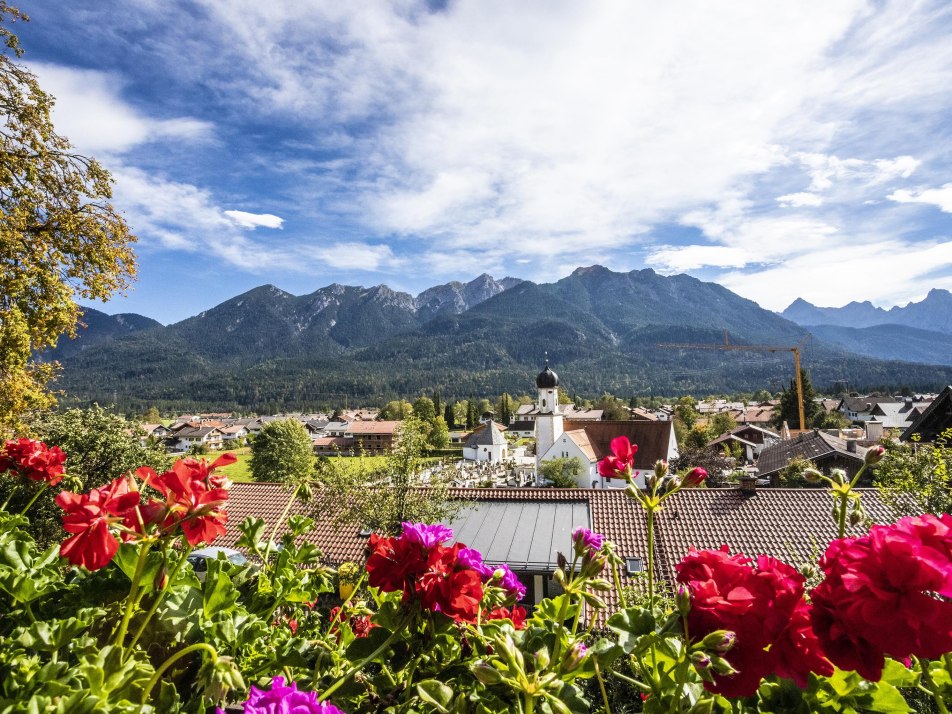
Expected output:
(547, 379)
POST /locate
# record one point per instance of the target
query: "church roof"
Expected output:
(547, 379)
(652, 437)
(488, 436)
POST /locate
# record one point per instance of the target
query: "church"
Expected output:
(589, 441)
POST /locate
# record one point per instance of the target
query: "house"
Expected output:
(157, 431)
(233, 433)
(523, 429)
(589, 440)
(642, 414)
(372, 437)
(487, 443)
(935, 419)
(859, 409)
(899, 414)
(824, 450)
(527, 528)
(208, 436)
(757, 414)
(529, 412)
(332, 446)
(751, 439)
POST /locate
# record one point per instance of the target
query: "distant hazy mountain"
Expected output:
(890, 342)
(269, 350)
(934, 312)
(97, 327)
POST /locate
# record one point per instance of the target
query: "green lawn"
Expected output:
(241, 469)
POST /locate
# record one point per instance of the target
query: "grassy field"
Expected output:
(241, 470)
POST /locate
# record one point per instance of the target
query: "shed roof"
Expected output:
(936, 418)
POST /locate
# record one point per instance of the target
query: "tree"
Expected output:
(711, 460)
(437, 402)
(471, 417)
(396, 410)
(151, 416)
(60, 239)
(686, 411)
(404, 490)
(423, 408)
(721, 423)
(504, 408)
(439, 436)
(614, 409)
(830, 420)
(917, 478)
(789, 409)
(282, 451)
(563, 472)
(99, 446)
(449, 415)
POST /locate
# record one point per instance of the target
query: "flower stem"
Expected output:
(33, 500)
(360, 665)
(651, 514)
(277, 523)
(158, 601)
(6, 503)
(601, 686)
(130, 600)
(931, 687)
(622, 600)
(172, 660)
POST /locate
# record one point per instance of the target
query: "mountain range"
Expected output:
(916, 332)
(268, 350)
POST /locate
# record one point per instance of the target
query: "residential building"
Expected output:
(934, 419)
(824, 450)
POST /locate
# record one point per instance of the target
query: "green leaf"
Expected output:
(630, 625)
(219, 592)
(898, 675)
(435, 693)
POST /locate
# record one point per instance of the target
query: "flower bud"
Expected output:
(856, 516)
(700, 660)
(695, 477)
(721, 666)
(559, 576)
(812, 476)
(561, 560)
(161, 578)
(574, 657)
(542, 658)
(874, 454)
(486, 674)
(807, 571)
(661, 468)
(682, 600)
(719, 641)
(839, 476)
(593, 564)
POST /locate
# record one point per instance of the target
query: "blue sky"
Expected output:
(781, 149)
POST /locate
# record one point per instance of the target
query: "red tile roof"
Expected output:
(652, 438)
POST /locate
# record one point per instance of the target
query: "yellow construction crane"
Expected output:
(757, 348)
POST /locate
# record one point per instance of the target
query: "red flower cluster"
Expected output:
(194, 497)
(33, 460)
(89, 517)
(431, 573)
(763, 606)
(517, 615)
(194, 500)
(887, 594)
(360, 625)
(620, 461)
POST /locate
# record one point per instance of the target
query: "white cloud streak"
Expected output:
(941, 197)
(244, 219)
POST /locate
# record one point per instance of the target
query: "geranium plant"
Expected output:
(114, 620)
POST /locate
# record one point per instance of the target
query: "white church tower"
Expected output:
(549, 420)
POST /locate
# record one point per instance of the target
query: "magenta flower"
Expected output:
(281, 699)
(586, 541)
(473, 559)
(426, 535)
(510, 583)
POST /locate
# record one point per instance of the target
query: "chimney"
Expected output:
(851, 445)
(874, 430)
(748, 484)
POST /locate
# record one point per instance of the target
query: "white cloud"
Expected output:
(91, 114)
(825, 170)
(941, 197)
(795, 200)
(254, 220)
(900, 270)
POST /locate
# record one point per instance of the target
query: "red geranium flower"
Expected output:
(89, 516)
(33, 460)
(620, 461)
(763, 606)
(517, 615)
(887, 594)
(394, 563)
(192, 498)
(448, 587)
